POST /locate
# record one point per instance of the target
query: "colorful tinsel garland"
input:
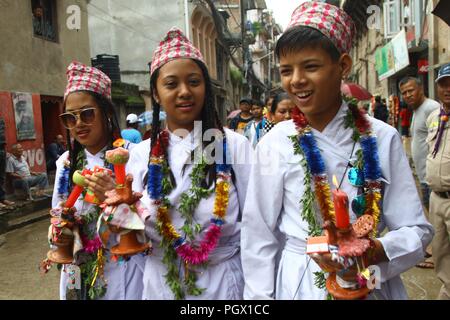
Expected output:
(189, 253)
(316, 167)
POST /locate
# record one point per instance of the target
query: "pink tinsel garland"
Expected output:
(200, 255)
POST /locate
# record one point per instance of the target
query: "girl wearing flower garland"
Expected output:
(326, 137)
(195, 204)
(91, 121)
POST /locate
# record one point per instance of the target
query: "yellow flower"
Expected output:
(118, 143)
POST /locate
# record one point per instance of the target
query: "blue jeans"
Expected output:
(26, 183)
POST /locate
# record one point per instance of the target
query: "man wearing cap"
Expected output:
(131, 133)
(438, 178)
(239, 122)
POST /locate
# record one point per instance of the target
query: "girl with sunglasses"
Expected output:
(90, 120)
(196, 204)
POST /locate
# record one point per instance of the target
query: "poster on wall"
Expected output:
(24, 116)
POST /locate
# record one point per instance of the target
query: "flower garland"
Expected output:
(92, 267)
(315, 171)
(175, 244)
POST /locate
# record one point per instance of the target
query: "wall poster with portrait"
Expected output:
(24, 116)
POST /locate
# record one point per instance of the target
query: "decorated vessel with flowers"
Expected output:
(347, 243)
(123, 212)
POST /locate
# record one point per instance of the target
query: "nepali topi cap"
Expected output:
(81, 77)
(331, 21)
(175, 45)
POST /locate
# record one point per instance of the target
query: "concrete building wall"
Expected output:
(132, 29)
(31, 64)
(443, 42)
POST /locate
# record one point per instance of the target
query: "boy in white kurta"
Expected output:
(313, 61)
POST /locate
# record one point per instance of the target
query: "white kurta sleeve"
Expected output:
(137, 164)
(241, 154)
(409, 232)
(59, 169)
(259, 224)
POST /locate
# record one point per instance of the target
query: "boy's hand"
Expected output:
(99, 183)
(328, 265)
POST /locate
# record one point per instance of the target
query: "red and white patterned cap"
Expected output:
(331, 21)
(175, 45)
(82, 77)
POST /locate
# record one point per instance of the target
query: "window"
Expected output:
(44, 19)
(391, 10)
(408, 12)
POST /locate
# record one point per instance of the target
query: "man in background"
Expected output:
(24, 179)
(54, 151)
(413, 94)
(239, 122)
(3, 202)
(131, 133)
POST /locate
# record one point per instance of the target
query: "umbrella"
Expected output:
(442, 10)
(147, 117)
(233, 113)
(356, 91)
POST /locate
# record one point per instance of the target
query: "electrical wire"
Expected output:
(122, 25)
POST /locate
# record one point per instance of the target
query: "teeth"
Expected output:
(304, 94)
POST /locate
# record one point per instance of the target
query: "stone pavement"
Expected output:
(22, 249)
(26, 247)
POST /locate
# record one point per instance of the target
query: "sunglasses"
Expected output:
(86, 116)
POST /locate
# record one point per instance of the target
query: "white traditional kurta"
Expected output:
(222, 278)
(274, 234)
(125, 278)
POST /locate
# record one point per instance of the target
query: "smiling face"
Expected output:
(93, 136)
(180, 90)
(313, 81)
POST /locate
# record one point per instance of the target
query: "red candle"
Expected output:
(340, 200)
(79, 185)
(119, 171)
(76, 191)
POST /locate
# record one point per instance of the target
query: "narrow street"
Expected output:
(24, 248)
(20, 256)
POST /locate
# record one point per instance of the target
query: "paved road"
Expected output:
(20, 255)
(26, 247)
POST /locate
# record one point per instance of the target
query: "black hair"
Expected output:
(109, 116)
(377, 99)
(134, 125)
(209, 118)
(266, 101)
(409, 78)
(300, 37)
(277, 99)
(246, 100)
(258, 103)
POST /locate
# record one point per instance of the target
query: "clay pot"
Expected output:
(64, 253)
(340, 293)
(129, 245)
